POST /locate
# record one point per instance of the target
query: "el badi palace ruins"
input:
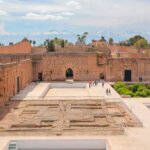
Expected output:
(21, 63)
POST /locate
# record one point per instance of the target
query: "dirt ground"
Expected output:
(65, 117)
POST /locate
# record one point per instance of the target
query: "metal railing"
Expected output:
(12, 145)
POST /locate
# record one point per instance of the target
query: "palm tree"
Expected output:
(82, 38)
(111, 41)
(34, 42)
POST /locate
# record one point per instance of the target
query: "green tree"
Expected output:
(142, 43)
(25, 39)
(34, 42)
(62, 43)
(66, 41)
(50, 46)
(82, 38)
(10, 43)
(102, 39)
(134, 39)
(59, 41)
(56, 41)
(111, 41)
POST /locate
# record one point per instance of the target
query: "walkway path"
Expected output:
(101, 91)
(67, 91)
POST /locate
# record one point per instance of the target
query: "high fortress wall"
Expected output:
(84, 66)
(20, 64)
(15, 69)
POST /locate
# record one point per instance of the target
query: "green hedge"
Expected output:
(134, 90)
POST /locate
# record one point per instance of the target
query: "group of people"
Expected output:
(93, 83)
(108, 91)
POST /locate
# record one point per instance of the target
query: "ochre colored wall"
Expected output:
(53, 66)
(89, 67)
(8, 78)
(23, 47)
(139, 68)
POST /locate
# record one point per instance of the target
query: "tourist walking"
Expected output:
(103, 84)
(96, 82)
(93, 83)
(90, 84)
(107, 91)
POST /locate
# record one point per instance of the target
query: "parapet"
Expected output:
(23, 47)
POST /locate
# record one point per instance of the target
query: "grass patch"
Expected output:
(133, 90)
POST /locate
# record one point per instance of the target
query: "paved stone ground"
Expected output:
(32, 92)
(66, 93)
(41, 91)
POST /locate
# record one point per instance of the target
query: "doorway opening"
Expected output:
(18, 84)
(102, 77)
(127, 75)
(40, 76)
(69, 73)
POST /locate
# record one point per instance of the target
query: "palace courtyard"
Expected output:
(65, 111)
(48, 100)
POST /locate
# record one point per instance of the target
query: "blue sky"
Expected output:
(42, 19)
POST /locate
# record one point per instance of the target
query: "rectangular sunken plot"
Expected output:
(29, 113)
(67, 117)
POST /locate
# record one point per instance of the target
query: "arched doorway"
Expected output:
(69, 73)
(102, 76)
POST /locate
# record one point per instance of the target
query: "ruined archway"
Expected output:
(69, 73)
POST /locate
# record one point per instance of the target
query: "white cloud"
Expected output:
(110, 13)
(67, 13)
(53, 32)
(95, 14)
(3, 13)
(39, 7)
(116, 6)
(37, 11)
(2, 30)
(34, 16)
(73, 4)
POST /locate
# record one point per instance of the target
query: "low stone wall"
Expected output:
(68, 85)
